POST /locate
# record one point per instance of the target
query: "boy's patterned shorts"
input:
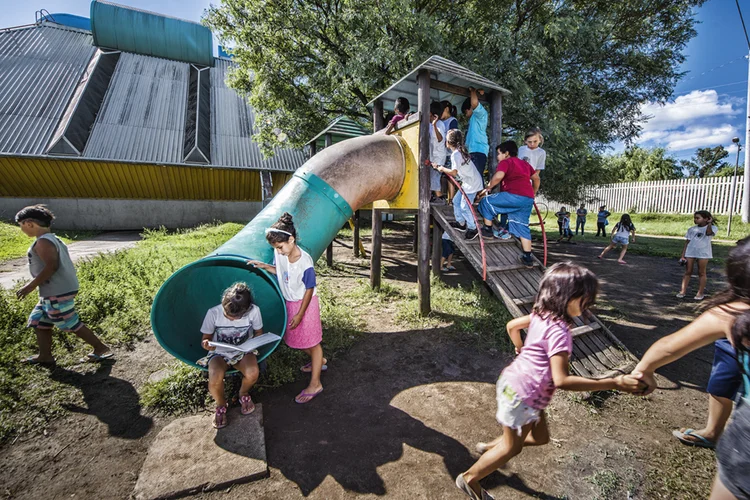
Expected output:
(59, 311)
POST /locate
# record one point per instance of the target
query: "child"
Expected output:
(581, 218)
(438, 151)
(561, 214)
(566, 232)
(471, 182)
(525, 388)
(476, 135)
(446, 260)
(698, 247)
(601, 221)
(727, 316)
(448, 117)
(400, 108)
(294, 269)
(55, 276)
(621, 236)
(532, 151)
(231, 322)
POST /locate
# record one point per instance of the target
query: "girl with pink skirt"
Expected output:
(294, 270)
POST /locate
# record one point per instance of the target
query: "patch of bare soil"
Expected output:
(403, 409)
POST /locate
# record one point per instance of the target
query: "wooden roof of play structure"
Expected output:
(447, 79)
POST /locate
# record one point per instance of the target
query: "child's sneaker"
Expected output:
(471, 234)
(504, 235)
(458, 225)
(487, 232)
(527, 260)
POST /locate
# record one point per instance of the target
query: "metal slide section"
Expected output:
(321, 196)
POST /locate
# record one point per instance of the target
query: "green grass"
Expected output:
(14, 244)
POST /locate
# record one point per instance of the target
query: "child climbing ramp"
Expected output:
(295, 273)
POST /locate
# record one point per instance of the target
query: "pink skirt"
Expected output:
(309, 332)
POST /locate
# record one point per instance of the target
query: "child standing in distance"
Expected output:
(581, 218)
(601, 221)
(438, 151)
(446, 259)
(532, 151)
(471, 182)
(525, 388)
(621, 236)
(561, 214)
(233, 321)
(566, 232)
(294, 270)
(400, 108)
(476, 135)
(55, 276)
(448, 117)
(698, 248)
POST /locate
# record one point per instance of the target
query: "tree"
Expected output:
(579, 69)
(706, 162)
(641, 164)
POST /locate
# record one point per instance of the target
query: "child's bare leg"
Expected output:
(449, 261)
(720, 492)
(509, 446)
(248, 366)
(609, 247)
(316, 354)
(85, 334)
(539, 434)
(702, 266)
(217, 367)
(688, 275)
(44, 341)
(622, 253)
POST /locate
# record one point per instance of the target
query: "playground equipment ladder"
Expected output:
(597, 352)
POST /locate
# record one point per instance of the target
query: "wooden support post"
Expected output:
(377, 225)
(437, 244)
(329, 255)
(313, 148)
(415, 235)
(378, 120)
(423, 222)
(496, 131)
(266, 185)
(355, 246)
(329, 140)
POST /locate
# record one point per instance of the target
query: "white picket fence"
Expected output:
(679, 196)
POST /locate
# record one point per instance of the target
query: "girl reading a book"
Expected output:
(232, 322)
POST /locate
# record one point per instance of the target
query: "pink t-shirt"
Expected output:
(530, 374)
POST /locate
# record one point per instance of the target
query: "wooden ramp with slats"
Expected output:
(597, 352)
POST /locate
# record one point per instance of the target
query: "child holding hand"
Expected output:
(294, 270)
(698, 248)
(231, 322)
(526, 387)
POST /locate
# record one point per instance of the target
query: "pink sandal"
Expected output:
(247, 405)
(305, 397)
(220, 417)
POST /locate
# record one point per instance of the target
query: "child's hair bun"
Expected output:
(286, 219)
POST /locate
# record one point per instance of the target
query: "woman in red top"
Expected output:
(519, 182)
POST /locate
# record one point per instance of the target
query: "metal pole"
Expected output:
(746, 192)
(734, 186)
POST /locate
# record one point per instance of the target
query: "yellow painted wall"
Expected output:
(408, 197)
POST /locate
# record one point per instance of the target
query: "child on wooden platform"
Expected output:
(438, 152)
(55, 277)
(448, 117)
(401, 109)
(697, 248)
(620, 236)
(294, 270)
(525, 388)
(233, 321)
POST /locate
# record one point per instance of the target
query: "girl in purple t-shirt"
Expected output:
(525, 388)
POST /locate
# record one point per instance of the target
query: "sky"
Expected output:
(707, 107)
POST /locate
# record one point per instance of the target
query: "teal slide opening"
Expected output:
(186, 296)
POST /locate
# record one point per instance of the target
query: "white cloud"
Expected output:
(699, 137)
(685, 109)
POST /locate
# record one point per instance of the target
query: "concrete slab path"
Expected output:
(15, 270)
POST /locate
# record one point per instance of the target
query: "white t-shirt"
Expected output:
(231, 331)
(536, 157)
(295, 278)
(699, 244)
(467, 173)
(438, 151)
(446, 236)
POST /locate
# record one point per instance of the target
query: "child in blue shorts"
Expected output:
(55, 276)
(446, 259)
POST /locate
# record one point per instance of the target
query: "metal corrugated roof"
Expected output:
(232, 121)
(143, 114)
(39, 69)
(342, 126)
(443, 70)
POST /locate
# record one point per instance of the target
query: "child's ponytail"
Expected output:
(455, 140)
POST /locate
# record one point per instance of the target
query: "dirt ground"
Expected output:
(402, 411)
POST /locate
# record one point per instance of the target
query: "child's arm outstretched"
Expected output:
(262, 265)
(564, 380)
(514, 328)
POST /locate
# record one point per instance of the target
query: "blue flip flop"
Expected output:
(700, 443)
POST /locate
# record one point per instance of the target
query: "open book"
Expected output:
(250, 344)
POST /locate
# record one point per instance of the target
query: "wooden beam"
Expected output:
(377, 234)
(313, 148)
(266, 183)
(378, 120)
(355, 231)
(437, 244)
(496, 121)
(455, 89)
(329, 140)
(423, 223)
(329, 255)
